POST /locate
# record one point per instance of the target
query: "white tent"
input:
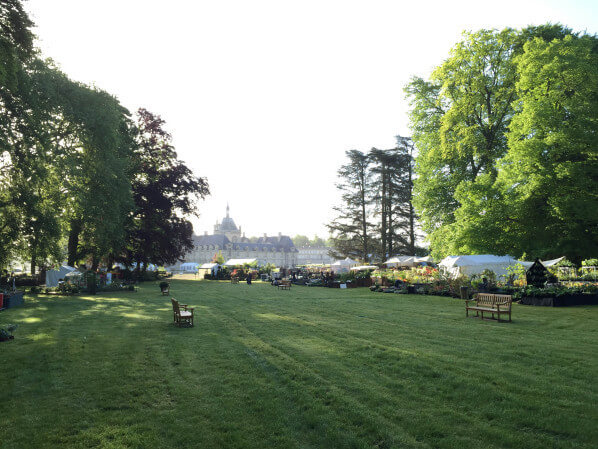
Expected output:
(427, 259)
(208, 266)
(546, 263)
(53, 276)
(343, 265)
(190, 267)
(401, 261)
(364, 267)
(468, 265)
(237, 262)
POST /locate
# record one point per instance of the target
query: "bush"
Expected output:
(26, 280)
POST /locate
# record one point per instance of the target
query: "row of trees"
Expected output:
(376, 218)
(507, 137)
(303, 240)
(79, 177)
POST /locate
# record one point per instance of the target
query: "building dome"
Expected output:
(228, 224)
(228, 227)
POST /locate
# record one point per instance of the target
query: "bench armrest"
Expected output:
(470, 300)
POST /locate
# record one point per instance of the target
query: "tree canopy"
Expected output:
(503, 128)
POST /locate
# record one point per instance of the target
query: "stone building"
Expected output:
(228, 240)
(314, 255)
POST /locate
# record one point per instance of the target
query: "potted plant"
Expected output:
(6, 334)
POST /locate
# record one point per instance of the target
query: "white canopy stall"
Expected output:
(53, 276)
(238, 262)
(468, 265)
(190, 267)
(364, 267)
(343, 265)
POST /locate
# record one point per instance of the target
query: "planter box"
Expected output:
(14, 300)
(574, 299)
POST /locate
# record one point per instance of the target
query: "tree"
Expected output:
(404, 217)
(218, 258)
(164, 191)
(300, 240)
(460, 120)
(550, 174)
(351, 229)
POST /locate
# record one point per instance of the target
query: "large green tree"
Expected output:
(550, 174)
(460, 119)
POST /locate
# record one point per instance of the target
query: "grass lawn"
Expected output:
(305, 368)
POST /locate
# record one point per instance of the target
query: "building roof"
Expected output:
(283, 241)
(216, 240)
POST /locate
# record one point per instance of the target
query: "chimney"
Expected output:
(205, 232)
(279, 234)
(265, 235)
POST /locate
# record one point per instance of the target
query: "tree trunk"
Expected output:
(383, 201)
(73, 244)
(411, 211)
(364, 219)
(95, 262)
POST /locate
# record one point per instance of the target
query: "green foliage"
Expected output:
(351, 230)
(6, 332)
(590, 263)
(218, 258)
(506, 130)
(554, 291)
(549, 175)
(164, 192)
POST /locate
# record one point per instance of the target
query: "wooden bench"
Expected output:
(234, 280)
(184, 316)
(490, 303)
(165, 290)
(285, 284)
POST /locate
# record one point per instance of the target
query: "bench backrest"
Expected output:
(491, 299)
(285, 282)
(175, 306)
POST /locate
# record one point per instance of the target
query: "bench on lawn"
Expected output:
(490, 303)
(184, 316)
(234, 280)
(285, 284)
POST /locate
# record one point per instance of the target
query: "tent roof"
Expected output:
(549, 263)
(189, 264)
(480, 259)
(208, 265)
(345, 262)
(365, 267)
(234, 262)
(408, 259)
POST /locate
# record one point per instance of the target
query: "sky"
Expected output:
(263, 98)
